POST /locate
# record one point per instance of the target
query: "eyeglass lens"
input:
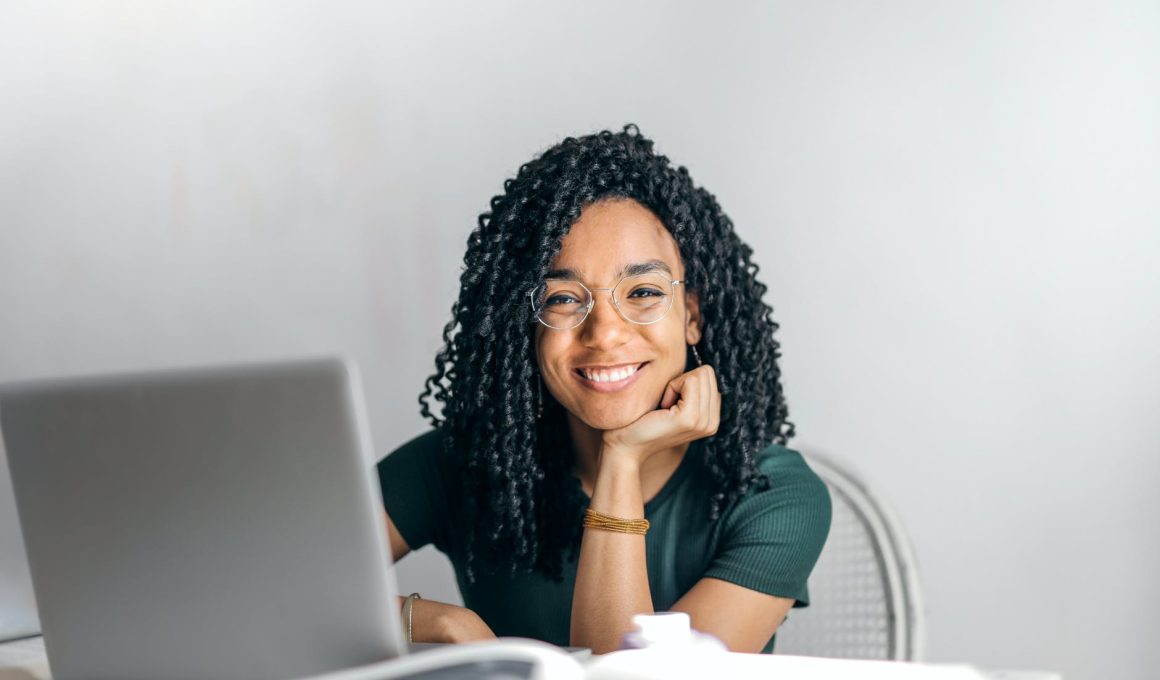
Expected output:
(640, 299)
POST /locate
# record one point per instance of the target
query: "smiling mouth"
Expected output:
(613, 376)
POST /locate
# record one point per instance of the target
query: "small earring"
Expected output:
(539, 398)
(696, 355)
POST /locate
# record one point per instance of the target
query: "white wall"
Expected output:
(954, 204)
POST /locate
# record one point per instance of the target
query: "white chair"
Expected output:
(865, 600)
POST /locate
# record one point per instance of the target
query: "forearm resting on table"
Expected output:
(611, 578)
(433, 621)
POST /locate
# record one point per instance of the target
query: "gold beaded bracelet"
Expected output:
(598, 520)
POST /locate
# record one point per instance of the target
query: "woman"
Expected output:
(609, 361)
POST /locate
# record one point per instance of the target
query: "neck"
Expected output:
(654, 472)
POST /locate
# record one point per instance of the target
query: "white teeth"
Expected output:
(609, 375)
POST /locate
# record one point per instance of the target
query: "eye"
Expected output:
(646, 292)
(561, 299)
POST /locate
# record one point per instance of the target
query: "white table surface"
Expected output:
(25, 660)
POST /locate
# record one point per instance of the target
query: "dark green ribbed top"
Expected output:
(767, 540)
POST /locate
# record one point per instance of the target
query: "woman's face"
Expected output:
(581, 366)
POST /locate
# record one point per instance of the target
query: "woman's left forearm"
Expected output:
(611, 577)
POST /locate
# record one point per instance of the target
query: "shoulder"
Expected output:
(773, 535)
(786, 467)
(424, 455)
(795, 501)
(427, 443)
(420, 485)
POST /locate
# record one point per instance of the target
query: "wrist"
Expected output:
(459, 624)
(617, 489)
(408, 615)
(446, 626)
(616, 475)
(618, 460)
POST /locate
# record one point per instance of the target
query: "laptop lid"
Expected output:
(209, 523)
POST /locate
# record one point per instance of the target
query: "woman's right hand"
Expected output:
(433, 621)
(690, 409)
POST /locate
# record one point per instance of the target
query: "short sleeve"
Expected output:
(416, 480)
(771, 538)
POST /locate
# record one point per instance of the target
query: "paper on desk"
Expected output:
(651, 664)
(24, 660)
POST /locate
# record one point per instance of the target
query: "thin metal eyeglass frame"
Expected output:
(592, 303)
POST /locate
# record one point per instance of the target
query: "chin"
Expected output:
(614, 419)
(610, 423)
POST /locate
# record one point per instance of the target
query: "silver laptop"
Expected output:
(214, 523)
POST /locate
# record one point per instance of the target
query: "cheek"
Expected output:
(670, 348)
(549, 353)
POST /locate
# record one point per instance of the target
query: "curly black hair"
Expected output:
(524, 505)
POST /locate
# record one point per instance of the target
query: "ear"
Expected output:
(692, 317)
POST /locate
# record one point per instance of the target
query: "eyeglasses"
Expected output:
(564, 304)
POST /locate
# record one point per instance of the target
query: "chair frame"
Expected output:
(895, 554)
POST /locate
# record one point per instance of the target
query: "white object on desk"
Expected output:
(669, 664)
(530, 659)
(1022, 675)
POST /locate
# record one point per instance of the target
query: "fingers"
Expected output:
(710, 401)
(710, 410)
(672, 392)
(683, 395)
(690, 409)
(695, 400)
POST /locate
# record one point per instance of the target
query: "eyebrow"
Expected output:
(634, 269)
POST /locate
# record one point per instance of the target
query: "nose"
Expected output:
(604, 328)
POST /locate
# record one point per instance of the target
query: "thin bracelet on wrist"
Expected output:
(407, 606)
(599, 520)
